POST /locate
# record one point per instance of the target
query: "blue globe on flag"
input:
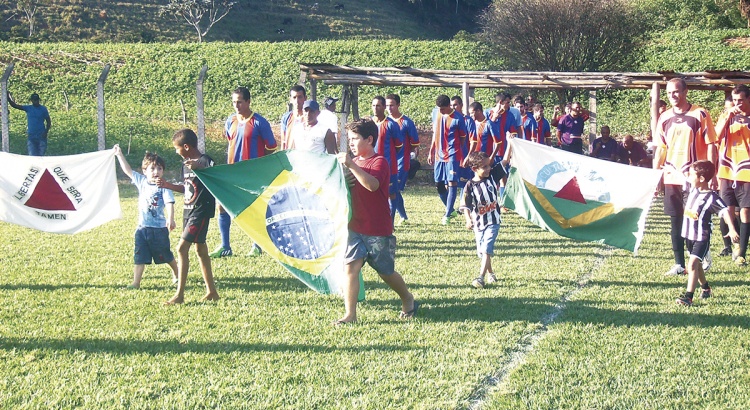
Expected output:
(299, 224)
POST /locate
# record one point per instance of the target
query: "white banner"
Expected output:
(65, 194)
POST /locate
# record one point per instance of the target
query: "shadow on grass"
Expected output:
(255, 284)
(47, 287)
(129, 347)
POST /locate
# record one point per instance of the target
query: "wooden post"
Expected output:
(654, 109)
(4, 100)
(100, 114)
(346, 106)
(199, 105)
(314, 90)
(355, 102)
(592, 118)
(467, 94)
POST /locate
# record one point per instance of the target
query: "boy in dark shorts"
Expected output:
(199, 208)
(152, 234)
(696, 227)
(371, 237)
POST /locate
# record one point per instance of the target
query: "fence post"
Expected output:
(468, 96)
(346, 107)
(201, 116)
(592, 119)
(100, 107)
(4, 100)
(655, 90)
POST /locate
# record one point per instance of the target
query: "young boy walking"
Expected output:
(482, 213)
(371, 227)
(152, 233)
(696, 227)
(199, 208)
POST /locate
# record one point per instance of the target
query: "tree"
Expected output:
(563, 35)
(745, 10)
(194, 11)
(28, 7)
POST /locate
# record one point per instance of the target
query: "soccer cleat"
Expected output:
(735, 251)
(256, 251)
(684, 300)
(707, 261)
(675, 271)
(491, 278)
(220, 252)
(726, 251)
(740, 261)
(706, 293)
(478, 283)
(403, 222)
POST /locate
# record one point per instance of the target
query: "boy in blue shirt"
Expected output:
(152, 233)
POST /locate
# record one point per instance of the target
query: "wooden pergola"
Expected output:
(352, 77)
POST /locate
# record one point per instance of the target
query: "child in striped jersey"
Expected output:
(479, 206)
(696, 227)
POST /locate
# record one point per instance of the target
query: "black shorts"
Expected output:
(739, 195)
(698, 249)
(194, 229)
(674, 200)
(498, 172)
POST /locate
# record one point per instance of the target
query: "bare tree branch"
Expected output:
(194, 11)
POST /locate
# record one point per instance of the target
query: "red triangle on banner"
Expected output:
(48, 195)
(571, 191)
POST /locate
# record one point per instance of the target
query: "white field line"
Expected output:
(517, 355)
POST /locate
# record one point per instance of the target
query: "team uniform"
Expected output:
(480, 198)
(291, 126)
(199, 206)
(734, 161)
(528, 126)
(632, 156)
(504, 124)
(411, 141)
(389, 144)
(448, 131)
(696, 220)
(152, 234)
(248, 139)
(571, 131)
(542, 131)
(606, 150)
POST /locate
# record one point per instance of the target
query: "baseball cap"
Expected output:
(330, 101)
(311, 104)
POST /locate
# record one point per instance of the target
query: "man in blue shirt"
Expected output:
(38, 124)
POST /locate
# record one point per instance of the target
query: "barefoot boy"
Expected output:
(371, 227)
(479, 206)
(152, 233)
(200, 207)
(696, 227)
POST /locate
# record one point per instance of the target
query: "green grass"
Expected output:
(71, 336)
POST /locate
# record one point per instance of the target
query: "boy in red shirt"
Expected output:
(371, 237)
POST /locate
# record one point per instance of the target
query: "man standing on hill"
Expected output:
(293, 121)
(684, 134)
(249, 137)
(38, 124)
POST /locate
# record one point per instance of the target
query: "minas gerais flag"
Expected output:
(295, 205)
(580, 197)
(59, 194)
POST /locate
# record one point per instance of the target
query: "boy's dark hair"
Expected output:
(443, 100)
(476, 159)
(298, 88)
(457, 98)
(538, 106)
(394, 97)
(152, 158)
(501, 97)
(365, 128)
(519, 99)
(476, 105)
(742, 89)
(186, 136)
(705, 169)
(379, 98)
(242, 92)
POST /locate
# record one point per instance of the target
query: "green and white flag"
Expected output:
(295, 205)
(580, 197)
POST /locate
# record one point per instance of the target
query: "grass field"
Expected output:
(570, 325)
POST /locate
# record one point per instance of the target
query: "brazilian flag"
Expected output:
(295, 205)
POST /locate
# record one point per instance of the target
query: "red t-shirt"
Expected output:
(371, 214)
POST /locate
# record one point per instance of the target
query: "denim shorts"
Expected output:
(152, 244)
(486, 239)
(378, 251)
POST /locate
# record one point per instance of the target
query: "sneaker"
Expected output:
(706, 293)
(445, 221)
(740, 261)
(676, 270)
(735, 251)
(478, 283)
(403, 222)
(255, 252)
(220, 252)
(707, 261)
(726, 251)
(684, 300)
(491, 278)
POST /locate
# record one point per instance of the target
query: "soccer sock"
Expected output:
(744, 232)
(392, 205)
(705, 286)
(451, 200)
(689, 295)
(678, 242)
(724, 228)
(443, 192)
(400, 206)
(224, 222)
